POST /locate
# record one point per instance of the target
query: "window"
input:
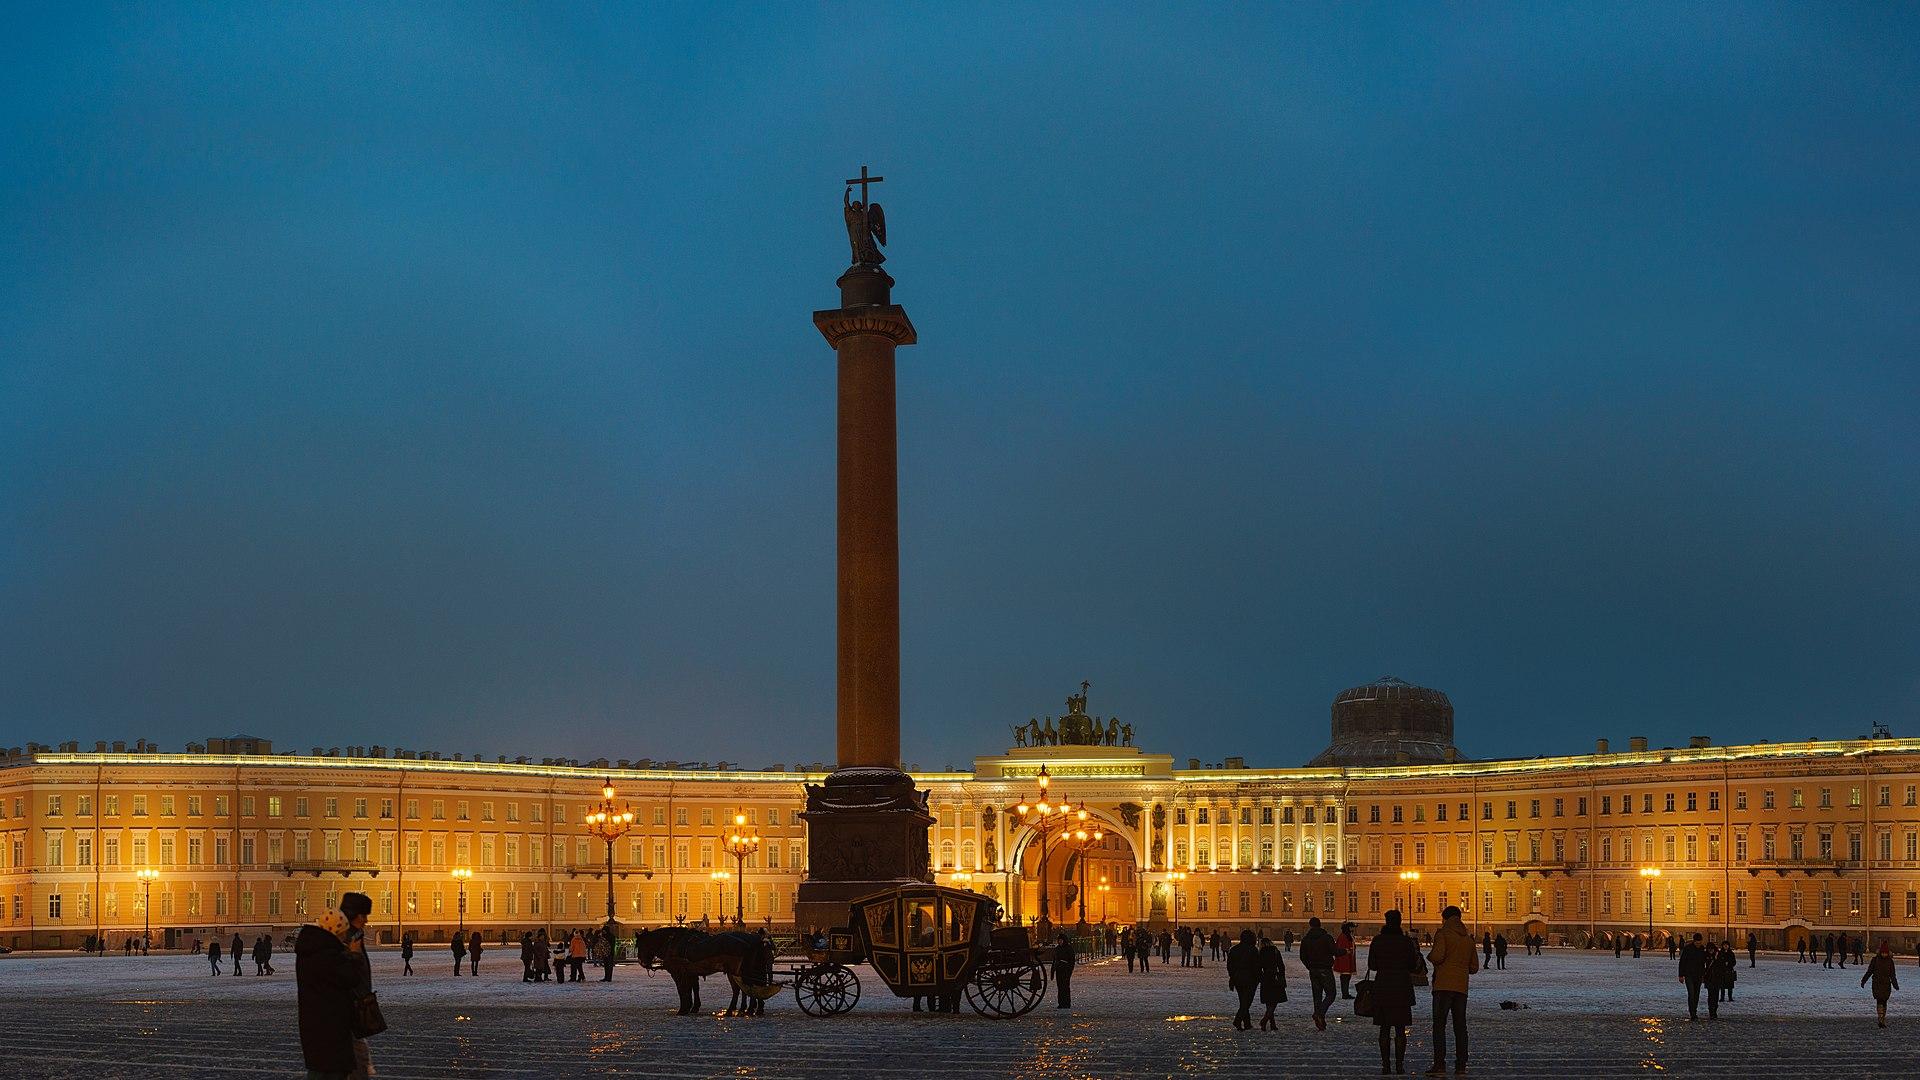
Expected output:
(486, 810)
(460, 810)
(1266, 817)
(1513, 809)
(1373, 814)
(139, 806)
(1646, 803)
(1440, 812)
(300, 806)
(1740, 799)
(1559, 808)
(53, 806)
(53, 906)
(1886, 795)
(1670, 801)
(1766, 799)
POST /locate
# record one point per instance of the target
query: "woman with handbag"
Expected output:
(1394, 966)
(1273, 982)
(367, 1020)
(325, 975)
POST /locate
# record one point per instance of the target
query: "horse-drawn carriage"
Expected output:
(925, 940)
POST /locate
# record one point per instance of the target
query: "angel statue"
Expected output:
(866, 229)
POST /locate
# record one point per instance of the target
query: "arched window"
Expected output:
(966, 856)
(946, 854)
(1307, 849)
(1286, 851)
(1266, 853)
(1180, 852)
(1246, 853)
(1203, 853)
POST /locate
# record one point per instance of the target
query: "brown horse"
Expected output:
(689, 955)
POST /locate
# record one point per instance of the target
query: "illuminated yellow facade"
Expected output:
(1781, 839)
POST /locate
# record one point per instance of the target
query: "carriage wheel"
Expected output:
(1007, 992)
(826, 990)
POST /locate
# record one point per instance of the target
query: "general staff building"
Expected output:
(1782, 839)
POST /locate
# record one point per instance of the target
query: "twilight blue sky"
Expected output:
(444, 377)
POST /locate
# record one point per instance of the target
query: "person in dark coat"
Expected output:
(1500, 951)
(1885, 979)
(1063, 970)
(213, 955)
(474, 949)
(1693, 972)
(1318, 951)
(1166, 946)
(1392, 958)
(357, 907)
(324, 976)
(233, 952)
(406, 953)
(1753, 949)
(1143, 944)
(1723, 974)
(1636, 946)
(459, 949)
(1126, 947)
(1243, 977)
(1673, 946)
(1273, 982)
(1486, 947)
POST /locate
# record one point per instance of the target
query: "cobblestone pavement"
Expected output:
(1589, 1015)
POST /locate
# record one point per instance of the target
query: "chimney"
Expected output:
(1637, 744)
(119, 746)
(1193, 763)
(1600, 746)
(1698, 741)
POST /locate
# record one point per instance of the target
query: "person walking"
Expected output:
(357, 907)
(1063, 970)
(1829, 962)
(1184, 936)
(213, 955)
(1800, 956)
(1126, 947)
(1500, 951)
(1392, 958)
(1454, 961)
(1272, 973)
(266, 951)
(1143, 943)
(1166, 947)
(1885, 979)
(1486, 949)
(233, 952)
(406, 953)
(1693, 972)
(474, 949)
(1344, 959)
(1243, 978)
(324, 975)
(1753, 949)
(1859, 949)
(1718, 959)
(459, 949)
(1317, 954)
(1288, 938)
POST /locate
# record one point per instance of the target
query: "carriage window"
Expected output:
(959, 929)
(880, 925)
(921, 924)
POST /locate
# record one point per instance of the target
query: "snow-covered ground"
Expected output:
(1588, 1015)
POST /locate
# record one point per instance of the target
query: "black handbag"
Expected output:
(1363, 998)
(368, 1020)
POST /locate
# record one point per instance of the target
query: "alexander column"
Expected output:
(867, 825)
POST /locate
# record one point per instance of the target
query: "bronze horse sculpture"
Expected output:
(689, 955)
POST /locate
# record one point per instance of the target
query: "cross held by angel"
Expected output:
(866, 223)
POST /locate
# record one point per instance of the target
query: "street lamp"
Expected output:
(1176, 876)
(1407, 878)
(609, 824)
(1086, 838)
(719, 877)
(1044, 817)
(1104, 890)
(743, 841)
(961, 879)
(1649, 872)
(147, 875)
(461, 874)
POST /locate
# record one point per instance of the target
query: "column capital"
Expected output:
(887, 320)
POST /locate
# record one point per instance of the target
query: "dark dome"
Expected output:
(1390, 722)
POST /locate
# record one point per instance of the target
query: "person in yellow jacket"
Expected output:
(1454, 957)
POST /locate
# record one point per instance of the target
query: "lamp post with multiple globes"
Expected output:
(1085, 838)
(1649, 872)
(1176, 876)
(1407, 879)
(147, 875)
(460, 875)
(1104, 890)
(1045, 818)
(609, 823)
(720, 879)
(743, 841)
